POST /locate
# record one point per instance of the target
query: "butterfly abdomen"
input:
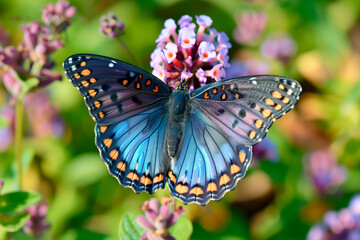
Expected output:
(178, 108)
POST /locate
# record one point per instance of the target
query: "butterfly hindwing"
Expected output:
(245, 108)
(132, 149)
(210, 163)
(113, 90)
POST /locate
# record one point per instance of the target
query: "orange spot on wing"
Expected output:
(223, 87)
(103, 129)
(286, 100)
(172, 176)
(234, 169)
(206, 95)
(214, 91)
(92, 92)
(145, 180)
(138, 86)
(108, 142)
(270, 102)
(252, 134)
(159, 178)
(278, 107)
(121, 166)
(266, 113)
(97, 104)
(76, 75)
(92, 80)
(258, 123)
(148, 82)
(223, 96)
(224, 179)
(83, 64)
(197, 191)
(114, 154)
(125, 82)
(282, 87)
(85, 83)
(276, 94)
(156, 89)
(180, 188)
(211, 187)
(132, 176)
(101, 114)
(140, 76)
(85, 72)
(242, 157)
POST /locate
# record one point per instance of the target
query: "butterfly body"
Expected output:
(199, 143)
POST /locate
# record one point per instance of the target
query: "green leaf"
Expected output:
(21, 235)
(14, 222)
(129, 228)
(182, 229)
(4, 122)
(18, 201)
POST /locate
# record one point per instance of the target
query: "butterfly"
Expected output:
(200, 143)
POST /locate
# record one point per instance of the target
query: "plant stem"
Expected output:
(18, 138)
(127, 50)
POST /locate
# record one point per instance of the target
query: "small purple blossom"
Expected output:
(43, 116)
(111, 26)
(250, 26)
(37, 223)
(57, 16)
(266, 149)
(158, 219)
(281, 47)
(325, 171)
(7, 115)
(341, 225)
(200, 55)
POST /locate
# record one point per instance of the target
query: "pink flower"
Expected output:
(250, 26)
(198, 56)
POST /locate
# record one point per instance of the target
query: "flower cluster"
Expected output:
(342, 225)
(197, 56)
(280, 46)
(250, 26)
(111, 26)
(37, 223)
(32, 57)
(57, 16)
(158, 219)
(324, 170)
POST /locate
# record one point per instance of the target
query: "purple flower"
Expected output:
(57, 16)
(43, 116)
(111, 26)
(250, 26)
(266, 149)
(199, 56)
(324, 170)
(37, 223)
(341, 225)
(158, 219)
(281, 47)
(7, 115)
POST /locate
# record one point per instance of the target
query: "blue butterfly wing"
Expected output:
(245, 107)
(129, 106)
(210, 162)
(113, 90)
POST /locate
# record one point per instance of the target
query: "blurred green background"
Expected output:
(277, 199)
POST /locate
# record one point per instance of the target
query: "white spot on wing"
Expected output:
(111, 64)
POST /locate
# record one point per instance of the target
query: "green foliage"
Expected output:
(18, 201)
(182, 229)
(129, 229)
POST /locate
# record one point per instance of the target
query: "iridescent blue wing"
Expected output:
(245, 107)
(210, 162)
(129, 107)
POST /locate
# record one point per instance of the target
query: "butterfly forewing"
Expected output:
(114, 90)
(245, 108)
